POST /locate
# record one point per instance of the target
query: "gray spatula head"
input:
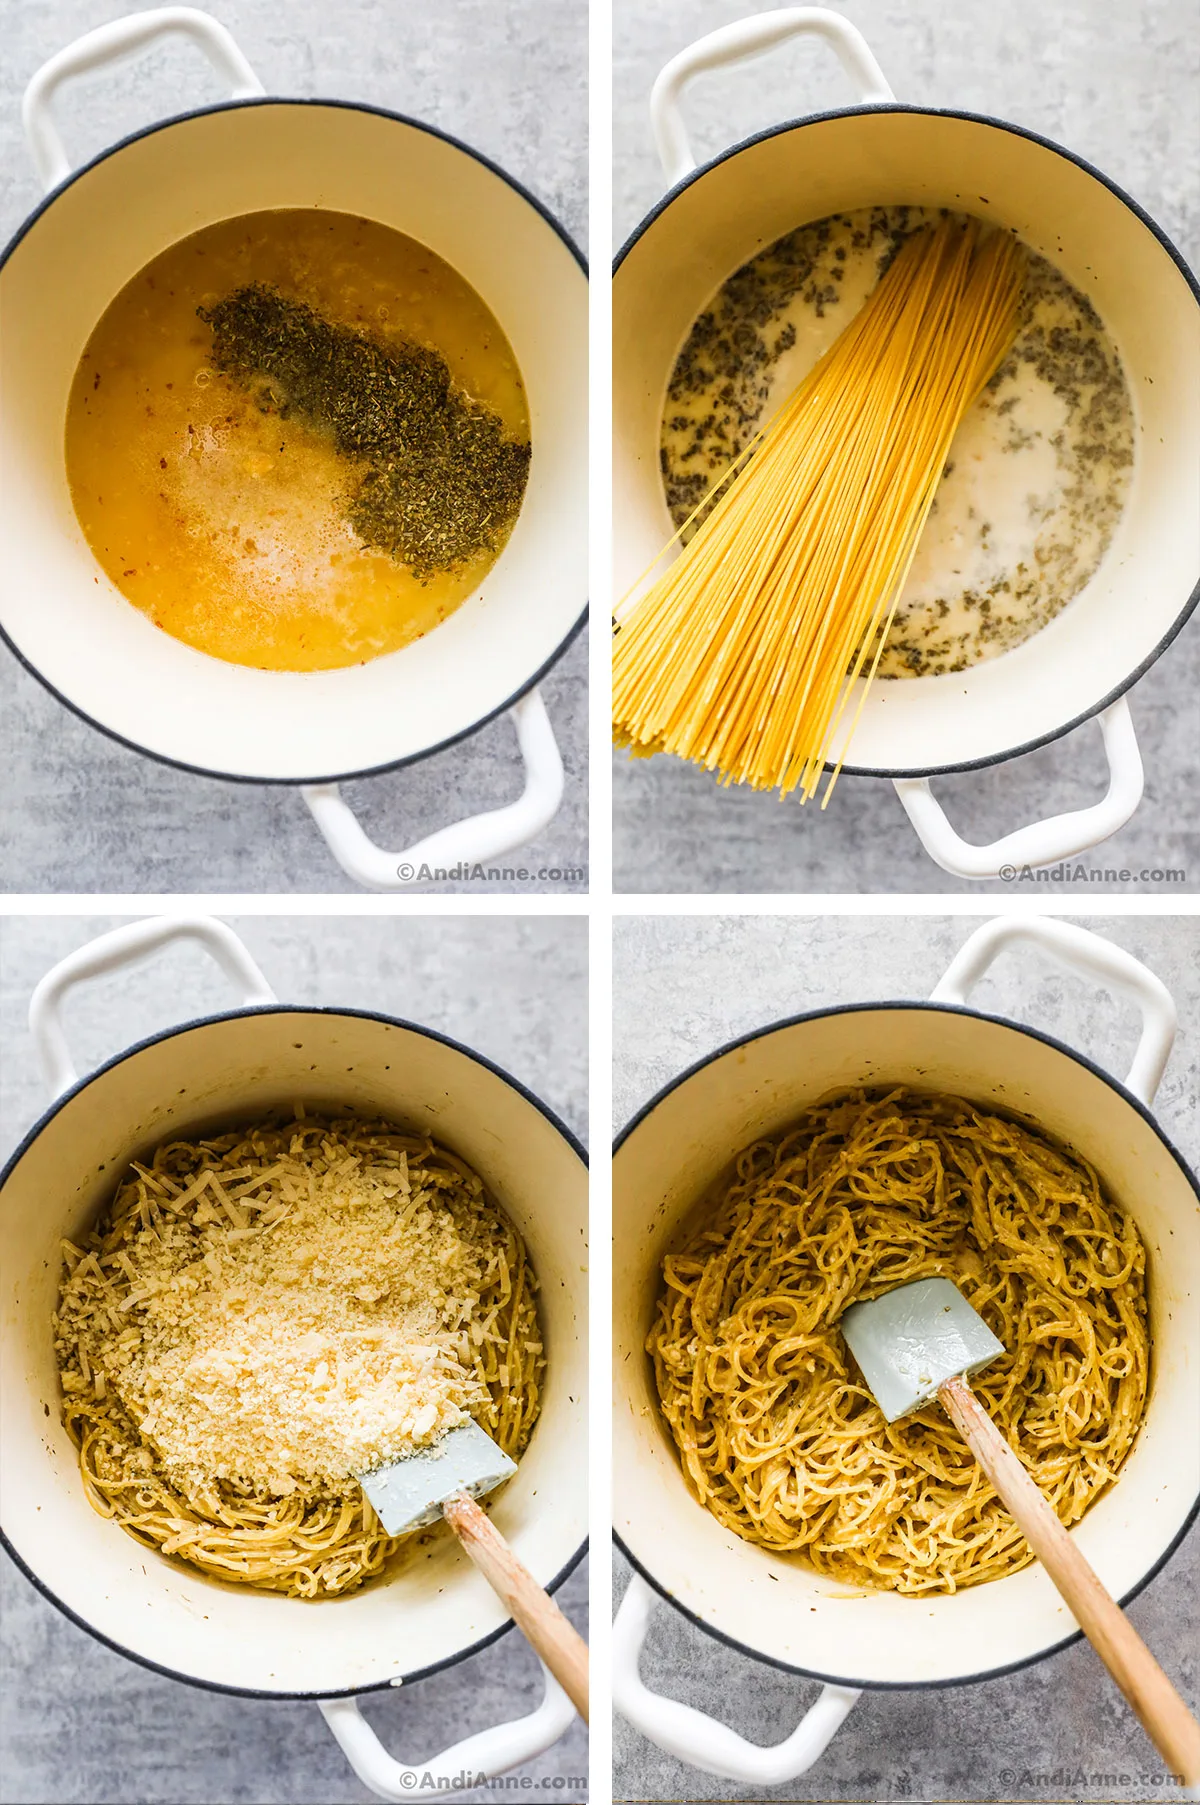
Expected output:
(411, 1492)
(910, 1340)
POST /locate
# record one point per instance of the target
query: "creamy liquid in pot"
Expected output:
(226, 524)
(1038, 473)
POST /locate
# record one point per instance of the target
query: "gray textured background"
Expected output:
(1115, 81)
(80, 1723)
(79, 812)
(682, 988)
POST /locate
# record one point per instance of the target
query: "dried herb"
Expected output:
(722, 382)
(442, 482)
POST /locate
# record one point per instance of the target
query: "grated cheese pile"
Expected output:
(287, 1306)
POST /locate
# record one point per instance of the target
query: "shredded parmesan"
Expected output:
(287, 1307)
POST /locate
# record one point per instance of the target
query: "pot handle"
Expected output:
(112, 43)
(701, 1741)
(739, 42)
(1090, 954)
(467, 1764)
(472, 841)
(1044, 842)
(128, 946)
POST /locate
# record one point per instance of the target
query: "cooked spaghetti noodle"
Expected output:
(780, 1438)
(745, 654)
(262, 1314)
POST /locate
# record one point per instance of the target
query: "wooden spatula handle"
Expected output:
(1160, 1710)
(533, 1610)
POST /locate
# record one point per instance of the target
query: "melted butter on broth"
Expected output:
(226, 525)
(1038, 472)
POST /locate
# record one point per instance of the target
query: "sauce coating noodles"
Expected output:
(778, 1435)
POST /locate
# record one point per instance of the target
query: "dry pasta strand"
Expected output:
(746, 653)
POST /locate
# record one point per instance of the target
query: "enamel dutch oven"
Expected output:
(66, 620)
(205, 1073)
(782, 1611)
(878, 152)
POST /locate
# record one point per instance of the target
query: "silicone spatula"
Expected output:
(919, 1342)
(445, 1480)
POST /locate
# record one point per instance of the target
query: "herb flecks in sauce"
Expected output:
(1038, 473)
(235, 521)
(442, 481)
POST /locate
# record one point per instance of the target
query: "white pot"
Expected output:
(781, 1611)
(212, 1071)
(714, 218)
(63, 616)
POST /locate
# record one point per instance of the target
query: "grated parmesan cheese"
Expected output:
(286, 1307)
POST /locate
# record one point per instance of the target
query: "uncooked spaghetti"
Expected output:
(746, 653)
(780, 1438)
(263, 1314)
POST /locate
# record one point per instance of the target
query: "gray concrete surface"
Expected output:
(79, 1723)
(80, 813)
(682, 988)
(1115, 83)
